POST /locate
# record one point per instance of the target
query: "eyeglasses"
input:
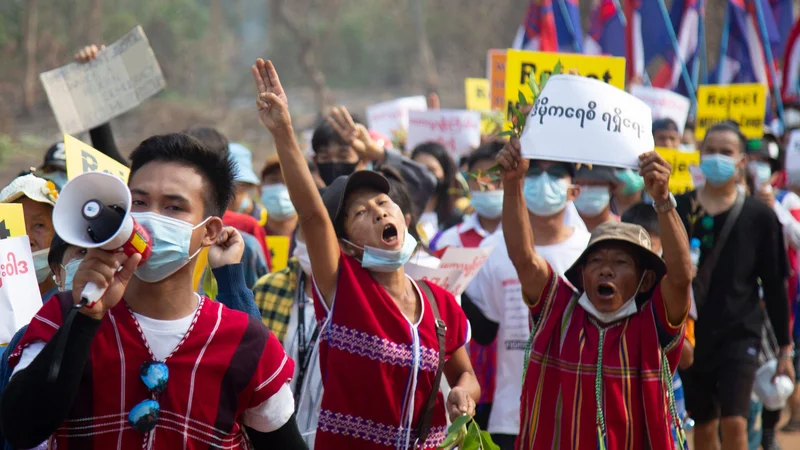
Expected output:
(557, 171)
(144, 416)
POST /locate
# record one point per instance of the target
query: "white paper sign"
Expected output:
(664, 104)
(457, 130)
(19, 291)
(389, 117)
(793, 158)
(84, 96)
(468, 260)
(445, 278)
(579, 119)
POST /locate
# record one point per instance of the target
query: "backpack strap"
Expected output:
(441, 332)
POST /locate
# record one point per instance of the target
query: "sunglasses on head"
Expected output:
(555, 171)
(144, 416)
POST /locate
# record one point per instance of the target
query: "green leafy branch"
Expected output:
(519, 114)
(467, 435)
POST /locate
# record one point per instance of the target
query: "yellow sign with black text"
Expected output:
(82, 158)
(521, 65)
(746, 104)
(12, 221)
(680, 181)
(477, 94)
(278, 247)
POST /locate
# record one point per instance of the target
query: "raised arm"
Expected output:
(532, 269)
(323, 246)
(676, 284)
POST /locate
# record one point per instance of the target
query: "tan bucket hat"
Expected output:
(620, 232)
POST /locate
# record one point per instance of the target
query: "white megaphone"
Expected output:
(93, 211)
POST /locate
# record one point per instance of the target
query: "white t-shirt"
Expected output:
(162, 337)
(496, 290)
(452, 236)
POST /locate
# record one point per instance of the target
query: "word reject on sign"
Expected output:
(746, 104)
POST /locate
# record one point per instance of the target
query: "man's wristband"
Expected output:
(667, 205)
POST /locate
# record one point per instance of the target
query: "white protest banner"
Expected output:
(392, 116)
(19, 291)
(664, 104)
(582, 120)
(83, 96)
(467, 260)
(444, 278)
(457, 130)
(793, 158)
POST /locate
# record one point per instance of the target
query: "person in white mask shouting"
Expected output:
(594, 202)
(495, 292)
(37, 196)
(163, 366)
(385, 341)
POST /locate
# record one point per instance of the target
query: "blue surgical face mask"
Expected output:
(380, 260)
(762, 172)
(633, 182)
(545, 196)
(275, 198)
(41, 266)
(245, 204)
(592, 200)
(488, 204)
(171, 241)
(69, 274)
(717, 168)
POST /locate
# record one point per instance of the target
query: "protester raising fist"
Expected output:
(511, 161)
(655, 171)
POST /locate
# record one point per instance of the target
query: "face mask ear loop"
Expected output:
(194, 228)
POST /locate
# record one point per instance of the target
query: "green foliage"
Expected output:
(467, 435)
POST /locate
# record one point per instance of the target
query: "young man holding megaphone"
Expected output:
(161, 367)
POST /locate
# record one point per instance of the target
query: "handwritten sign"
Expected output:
(578, 119)
(444, 278)
(82, 158)
(278, 251)
(664, 104)
(520, 65)
(392, 116)
(83, 96)
(476, 93)
(19, 290)
(680, 180)
(457, 130)
(744, 103)
(496, 73)
(12, 221)
(467, 260)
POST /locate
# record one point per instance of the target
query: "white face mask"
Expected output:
(629, 308)
(40, 264)
(301, 253)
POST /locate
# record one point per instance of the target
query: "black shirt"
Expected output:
(754, 250)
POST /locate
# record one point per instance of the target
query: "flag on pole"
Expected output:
(607, 32)
(686, 16)
(538, 30)
(567, 14)
(783, 13)
(790, 90)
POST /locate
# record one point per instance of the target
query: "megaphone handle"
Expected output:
(91, 294)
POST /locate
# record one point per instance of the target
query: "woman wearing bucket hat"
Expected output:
(601, 354)
(384, 339)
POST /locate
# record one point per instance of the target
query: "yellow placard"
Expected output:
(278, 247)
(520, 65)
(12, 221)
(496, 72)
(476, 92)
(744, 103)
(680, 180)
(82, 158)
(199, 268)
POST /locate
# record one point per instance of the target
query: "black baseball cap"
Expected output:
(55, 156)
(336, 194)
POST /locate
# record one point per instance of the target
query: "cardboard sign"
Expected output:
(476, 94)
(82, 158)
(19, 291)
(457, 130)
(392, 116)
(278, 247)
(680, 180)
(467, 260)
(664, 104)
(744, 103)
(12, 220)
(496, 73)
(578, 119)
(520, 65)
(83, 96)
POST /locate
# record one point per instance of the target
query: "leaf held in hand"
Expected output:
(507, 133)
(459, 422)
(522, 100)
(487, 443)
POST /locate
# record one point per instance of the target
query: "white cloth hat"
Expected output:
(31, 186)
(773, 395)
(243, 160)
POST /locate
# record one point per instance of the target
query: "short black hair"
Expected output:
(643, 215)
(665, 124)
(727, 126)
(58, 247)
(209, 136)
(487, 151)
(214, 166)
(689, 125)
(324, 135)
